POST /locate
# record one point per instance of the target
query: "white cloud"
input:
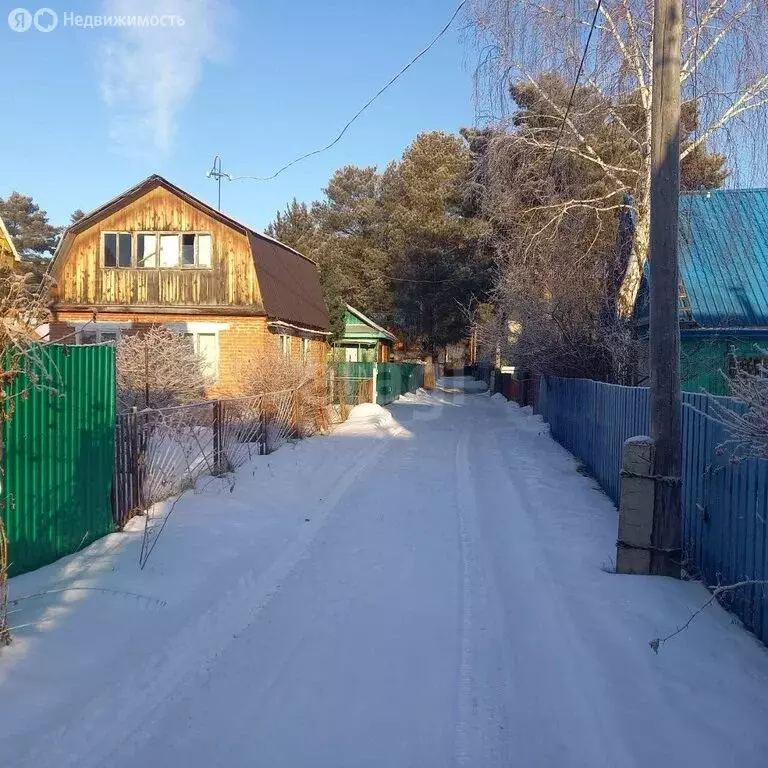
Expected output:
(148, 73)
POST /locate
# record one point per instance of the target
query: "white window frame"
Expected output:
(305, 349)
(285, 346)
(136, 237)
(99, 328)
(157, 233)
(197, 264)
(195, 335)
(195, 330)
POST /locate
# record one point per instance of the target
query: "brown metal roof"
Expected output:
(289, 281)
(290, 284)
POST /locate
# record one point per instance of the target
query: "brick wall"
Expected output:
(242, 340)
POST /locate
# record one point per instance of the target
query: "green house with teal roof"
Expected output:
(364, 341)
(723, 286)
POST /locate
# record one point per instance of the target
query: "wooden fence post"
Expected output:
(138, 456)
(263, 436)
(295, 413)
(217, 449)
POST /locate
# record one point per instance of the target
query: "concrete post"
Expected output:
(633, 548)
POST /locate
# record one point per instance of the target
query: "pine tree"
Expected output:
(28, 225)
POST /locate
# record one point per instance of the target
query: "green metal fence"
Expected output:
(395, 379)
(58, 457)
(392, 379)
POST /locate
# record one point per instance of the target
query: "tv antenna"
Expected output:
(218, 174)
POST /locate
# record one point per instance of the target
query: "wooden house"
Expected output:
(723, 286)
(364, 341)
(9, 256)
(156, 255)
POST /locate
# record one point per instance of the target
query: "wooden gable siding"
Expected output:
(230, 281)
(6, 256)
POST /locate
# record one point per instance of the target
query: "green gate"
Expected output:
(58, 457)
(395, 379)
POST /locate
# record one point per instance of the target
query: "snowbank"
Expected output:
(524, 419)
(369, 419)
(462, 384)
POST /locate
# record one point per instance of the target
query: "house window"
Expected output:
(196, 250)
(206, 345)
(158, 249)
(305, 350)
(204, 252)
(169, 250)
(285, 346)
(188, 250)
(118, 249)
(146, 250)
(91, 334)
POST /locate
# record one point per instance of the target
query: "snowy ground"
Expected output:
(426, 587)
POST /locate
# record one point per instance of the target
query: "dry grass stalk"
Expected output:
(5, 633)
(747, 430)
(272, 371)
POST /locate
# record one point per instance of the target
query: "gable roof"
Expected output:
(6, 236)
(723, 260)
(365, 328)
(289, 281)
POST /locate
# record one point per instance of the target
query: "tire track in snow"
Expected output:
(464, 741)
(109, 720)
(480, 707)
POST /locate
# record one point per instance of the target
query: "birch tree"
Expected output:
(724, 76)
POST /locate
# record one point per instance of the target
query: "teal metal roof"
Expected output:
(724, 258)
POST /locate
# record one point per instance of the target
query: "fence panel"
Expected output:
(126, 501)
(724, 503)
(58, 457)
(162, 452)
(349, 384)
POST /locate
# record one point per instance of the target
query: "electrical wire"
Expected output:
(575, 85)
(431, 282)
(362, 109)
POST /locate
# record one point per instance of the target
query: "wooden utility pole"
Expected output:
(665, 291)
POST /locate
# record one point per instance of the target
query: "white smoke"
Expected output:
(148, 73)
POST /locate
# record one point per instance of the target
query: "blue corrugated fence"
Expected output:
(725, 503)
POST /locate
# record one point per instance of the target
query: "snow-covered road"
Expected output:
(426, 589)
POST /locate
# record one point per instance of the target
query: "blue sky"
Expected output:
(90, 112)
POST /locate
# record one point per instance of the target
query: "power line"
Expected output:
(575, 84)
(426, 282)
(363, 108)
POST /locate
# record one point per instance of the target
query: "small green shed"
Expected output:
(723, 286)
(364, 341)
